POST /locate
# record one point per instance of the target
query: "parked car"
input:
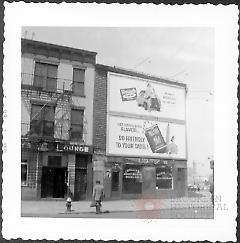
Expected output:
(146, 102)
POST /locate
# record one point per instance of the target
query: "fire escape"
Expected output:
(54, 102)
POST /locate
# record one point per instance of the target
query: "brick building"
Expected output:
(57, 85)
(83, 122)
(139, 142)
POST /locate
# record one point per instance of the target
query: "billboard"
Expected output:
(138, 96)
(143, 138)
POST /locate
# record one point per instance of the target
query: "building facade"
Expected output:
(82, 122)
(140, 148)
(57, 88)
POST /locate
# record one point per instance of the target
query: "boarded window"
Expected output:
(76, 130)
(45, 76)
(78, 81)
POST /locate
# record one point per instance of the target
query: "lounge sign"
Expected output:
(85, 149)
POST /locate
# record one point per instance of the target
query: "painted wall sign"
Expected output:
(145, 97)
(141, 138)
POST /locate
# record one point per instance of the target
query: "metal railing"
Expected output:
(43, 83)
(59, 131)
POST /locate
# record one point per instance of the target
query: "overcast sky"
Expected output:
(183, 54)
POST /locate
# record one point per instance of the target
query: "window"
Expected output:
(164, 177)
(81, 161)
(78, 81)
(76, 131)
(54, 161)
(24, 172)
(45, 76)
(132, 179)
(42, 120)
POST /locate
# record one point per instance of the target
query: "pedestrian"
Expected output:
(98, 195)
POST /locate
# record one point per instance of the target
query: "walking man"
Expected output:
(98, 194)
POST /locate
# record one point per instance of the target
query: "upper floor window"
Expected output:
(78, 81)
(45, 76)
(42, 120)
(76, 131)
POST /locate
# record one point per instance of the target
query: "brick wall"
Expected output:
(100, 110)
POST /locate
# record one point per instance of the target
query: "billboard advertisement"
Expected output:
(138, 96)
(138, 137)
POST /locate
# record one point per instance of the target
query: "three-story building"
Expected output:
(57, 88)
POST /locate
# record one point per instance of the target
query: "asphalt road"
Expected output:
(183, 213)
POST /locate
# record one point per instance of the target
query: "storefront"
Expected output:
(57, 170)
(142, 147)
(144, 178)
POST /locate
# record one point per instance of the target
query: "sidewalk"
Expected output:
(58, 207)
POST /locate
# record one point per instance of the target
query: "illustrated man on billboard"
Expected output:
(150, 94)
(172, 147)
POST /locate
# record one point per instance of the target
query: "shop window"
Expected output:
(78, 81)
(45, 76)
(164, 178)
(24, 173)
(42, 120)
(76, 130)
(132, 179)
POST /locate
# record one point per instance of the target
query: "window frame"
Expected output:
(41, 118)
(172, 187)
(44, 82)
(24, 162)
(80, 109)
(79, 82)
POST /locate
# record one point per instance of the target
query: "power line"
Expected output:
(141, 62)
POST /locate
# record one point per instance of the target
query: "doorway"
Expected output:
(115, 184)
(53, 182)
(80, 187)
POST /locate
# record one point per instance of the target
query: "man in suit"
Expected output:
(98, 194)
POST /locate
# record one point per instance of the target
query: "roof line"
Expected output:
(139, 74)
(57, 46)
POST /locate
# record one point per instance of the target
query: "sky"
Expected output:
(184, 54)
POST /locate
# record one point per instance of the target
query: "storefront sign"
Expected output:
(138, 96)
(75, 148)
(140, 138)
(132, 174)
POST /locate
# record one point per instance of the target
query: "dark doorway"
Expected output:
(53, 182)
(80, 184)
(115, 184)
